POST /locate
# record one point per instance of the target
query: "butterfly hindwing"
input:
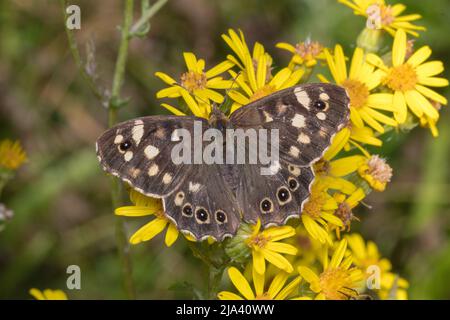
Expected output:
(307, 117)
(274, 198)
(139, 153)
(204, 205)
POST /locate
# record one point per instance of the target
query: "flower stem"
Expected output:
(114, 103)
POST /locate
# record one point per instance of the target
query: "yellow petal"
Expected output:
(357, 60)
(431, 94)
(258, 262)
(226, 295)
(381, 101)
(37, 294)
(171, 235)
(166, 78)
(419, 56)
(280, 77)
(136, 211)
(376, 61)
(258, 282)
(261, 72)
(338, 254)
(414, 98)
(429, 69)
(286, 46)
(292, 286)
(148, 231)
(279, 233)
(174, 110)
(218, 69)
(277, 284)
(191, 61)
(346, 165)
(307, 274)
(399, 48)
(399, 104)
(433, 81)
(341, 67)
(281, 247)
(277, 260)
(240, 283)
(171, 92)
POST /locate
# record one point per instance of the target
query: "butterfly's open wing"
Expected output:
(139, 152)
(204, 205)
(307, 117)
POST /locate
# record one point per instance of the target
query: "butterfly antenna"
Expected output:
(197, 97)
(231, 87)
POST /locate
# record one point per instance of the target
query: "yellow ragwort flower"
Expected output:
(375, 171)
(365, 257)
(365, 107)
(12, 155)
(197, 87)
(385, 16)
(48, 294)
(317, 214)
(146, 206)
(255, 80)
(276, 291)
(337, 281)
(307, 53)
(409, 78)
(265, 245)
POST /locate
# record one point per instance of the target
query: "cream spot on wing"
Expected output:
(302, 97)
(303, 138)
(138, 133)
(128, 156)
(153, 170)
(321, 116)
(118, 139)
(323, 96)
(99, 158)
(281, 108)
(160, 133)
(179, 198)
(134, 172)
(323, 133)
(138, 122)
(151, 151)
(294, 170)
(298, 121)
(294, 151)
(267, 117)
(167, 178)
(194, 187)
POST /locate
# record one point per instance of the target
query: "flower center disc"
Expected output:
(401, 78)
(193, 80)
(358, 92)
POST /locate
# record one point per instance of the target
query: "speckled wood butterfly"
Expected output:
(212, 199)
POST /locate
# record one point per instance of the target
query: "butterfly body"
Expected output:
(211, 199)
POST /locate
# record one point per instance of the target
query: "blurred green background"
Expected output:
(61, 198)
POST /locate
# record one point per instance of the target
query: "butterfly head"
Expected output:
(218, 119)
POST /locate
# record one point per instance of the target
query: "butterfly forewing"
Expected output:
(140, 153)
(307, 117)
